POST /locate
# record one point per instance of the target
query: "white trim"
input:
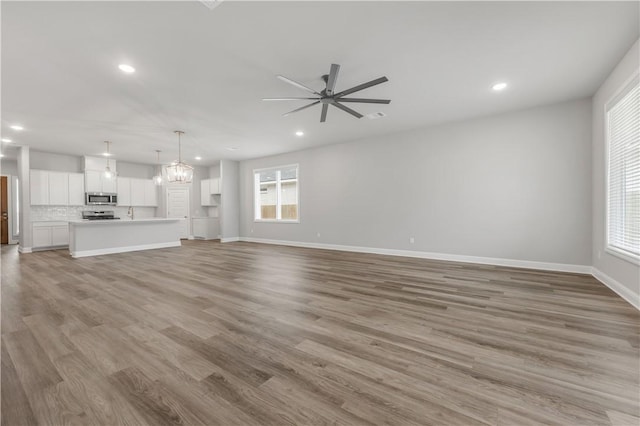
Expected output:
(620, 93)
(256, 193)
(617, 287)
(621, 254)
(514, 263)
(24, 249)
(230, 239)
(98, 252)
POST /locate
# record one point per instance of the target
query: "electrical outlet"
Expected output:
(318, 235)
(252, 230)
(412, 240)
(599, 255)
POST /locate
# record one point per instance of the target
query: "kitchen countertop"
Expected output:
(84, 222)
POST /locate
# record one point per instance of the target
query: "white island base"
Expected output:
(97, 237)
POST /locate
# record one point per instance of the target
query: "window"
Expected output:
(276, 194)
(623, 172)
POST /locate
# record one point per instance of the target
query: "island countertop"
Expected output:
(98, 237)
(82, 222)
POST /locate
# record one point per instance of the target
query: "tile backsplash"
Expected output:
(64, 213)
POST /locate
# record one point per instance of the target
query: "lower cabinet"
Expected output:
(206, 228)
(50, 234)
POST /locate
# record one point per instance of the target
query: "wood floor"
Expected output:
(241, 334)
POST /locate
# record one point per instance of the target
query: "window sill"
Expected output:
(275, 221)
(623, 255)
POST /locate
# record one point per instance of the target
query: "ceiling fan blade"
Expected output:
(301, 108)
(333, 77)
(365, 101)
(362, 86)
(347, 109)
(289, 99)
(323, 116)
(299, 85)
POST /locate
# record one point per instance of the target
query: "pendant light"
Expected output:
(157, 179)
(179, 172)
(108, 174)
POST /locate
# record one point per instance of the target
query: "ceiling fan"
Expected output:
(327, 96)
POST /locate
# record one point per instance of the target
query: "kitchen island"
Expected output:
(98, 237)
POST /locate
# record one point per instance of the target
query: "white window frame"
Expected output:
(620, 93)
(256, 194)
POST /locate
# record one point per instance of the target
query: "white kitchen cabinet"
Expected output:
(95, 181)
(76, 189)
(41, 236)
(150, 193)
(209, 189)
(39, 187)
(60, 235)
(58, 188)
(50, 188)
(214, 186)
(124, 191)
(137, 192)
(206, 228)
(50, 234)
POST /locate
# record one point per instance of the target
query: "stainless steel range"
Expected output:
(99, 215)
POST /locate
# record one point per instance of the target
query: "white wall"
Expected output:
(229, 200)
(8, 167)
(513, 186)
(56, 162)
(138, 171)
(617, 272)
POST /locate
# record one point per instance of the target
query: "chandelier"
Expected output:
(179, 172)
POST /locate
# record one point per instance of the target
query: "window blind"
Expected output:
(623, 195)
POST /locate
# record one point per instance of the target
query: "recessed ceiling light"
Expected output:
(499, 86)
(106, 154)
(1, 155)
(299, 133)
(17, 127)
(126, 68)
(6, 140)
(198, 158)
(232, 148)
(375, 115)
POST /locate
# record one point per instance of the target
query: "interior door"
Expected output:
(4, 212)
(178, 207)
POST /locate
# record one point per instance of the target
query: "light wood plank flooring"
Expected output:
(242, 334)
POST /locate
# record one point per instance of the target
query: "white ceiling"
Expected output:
(205, 71)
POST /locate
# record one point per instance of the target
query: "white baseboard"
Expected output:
(24, 249)
(528, 264)
(98, 252)
(617, 287)
(230, 239)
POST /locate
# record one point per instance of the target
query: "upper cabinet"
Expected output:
(124, 191)
(56, 188)
(137, 192)
(95, 181)
(39, 187)
(76, 189)
(209, 188)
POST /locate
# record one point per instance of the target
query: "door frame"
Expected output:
(10, 209)
(180, 187)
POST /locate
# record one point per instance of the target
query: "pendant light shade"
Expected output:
(179, 172)
(157, 179)
(108, 174)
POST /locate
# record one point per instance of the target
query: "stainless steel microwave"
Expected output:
(100, 199)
